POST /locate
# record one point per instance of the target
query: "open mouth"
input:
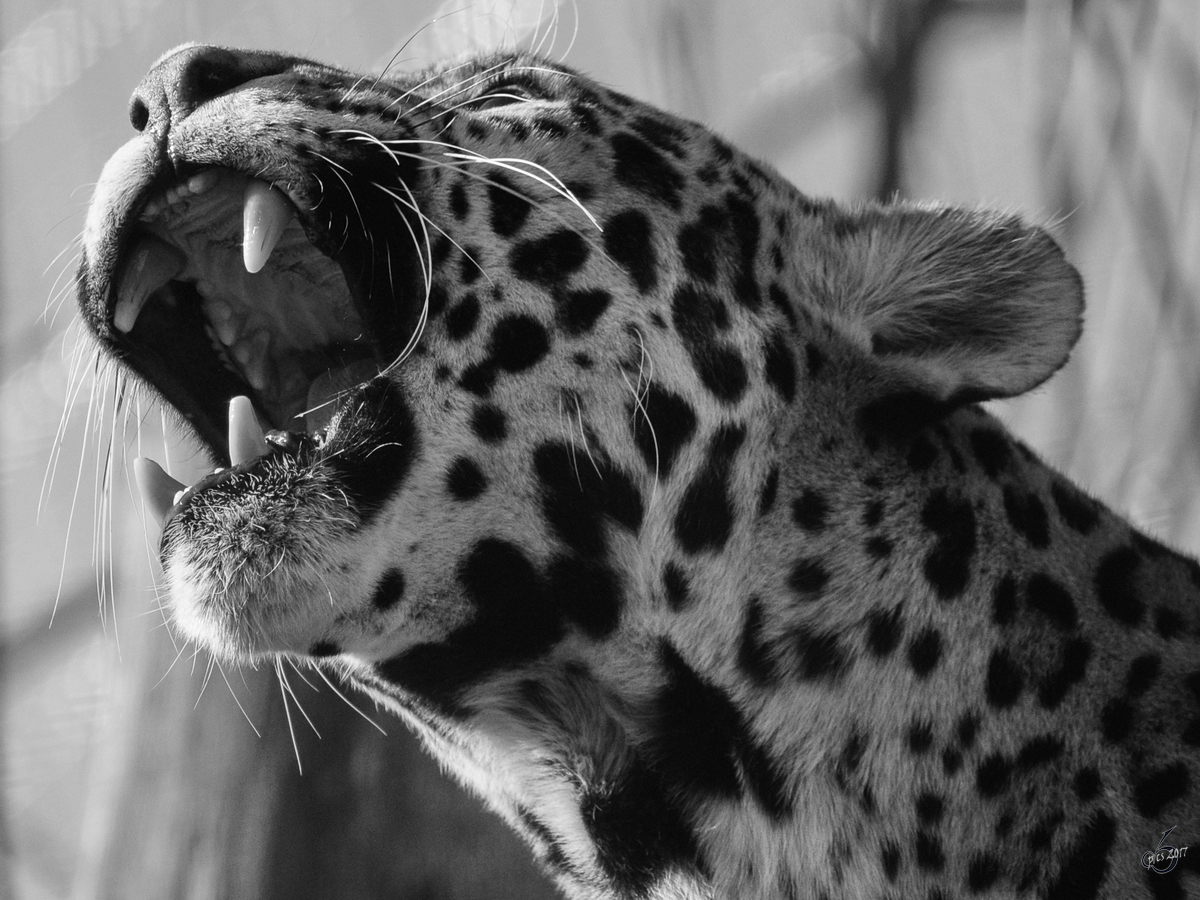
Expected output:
(221, 286)
(220, 293)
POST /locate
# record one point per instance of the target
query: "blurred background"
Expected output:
(131, 769)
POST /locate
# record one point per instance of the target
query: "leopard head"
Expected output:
(502, 373)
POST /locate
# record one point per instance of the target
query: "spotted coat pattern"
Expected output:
(681, 537)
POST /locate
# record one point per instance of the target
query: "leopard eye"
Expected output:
(498, 95)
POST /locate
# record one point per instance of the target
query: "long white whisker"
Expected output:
(347, 700)
(234, 695)
(287, 710)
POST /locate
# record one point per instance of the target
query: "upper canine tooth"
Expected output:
(265, 215)
(152, 263)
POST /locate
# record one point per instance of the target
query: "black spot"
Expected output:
(323, 649)
(578, 311)
(514, 623)
(1143, 672)
(992, 450)
(920, 736)
(982, 872)
(698, 316)
(704, 520)
(968, 729)
(992, 775)
(1042, 836)
(948, 565)
(1116, 720)
(1050, 598)
(1076, 509)
(1087, 784)
(638, 828)
(930, 856)
(702, 241)
(924, 652)
(629, 240)
(851, 756)
(518, 342)
(641, 168)
(780, 367)
(465, 481)
(1053, 688)
(1086, 865)
(1160, 787)
(1004, 825)
(478, 378)
(766, 497)
(814, 360)
(462, 317)
(663, 135)
(921, 454)
(951, 760)
(884, 629)
(1115, 586)
(389, 591)
(578, 500)
(510, 208)
(901, 416)
(703, 742)
(820, 655)
(589, 594)
(1004, 680)
(551, 260)
(697, 726)
(460, 204)
(891, 861)
(873, 514)
(930, 808)
(469, 269)
(1027, 514)
(810, 510)
(753, 652)
(675, 582)
(1167, 622)
(808, 579)
(489, 423)
(661, 428)
(878, 547)
(1039, 751)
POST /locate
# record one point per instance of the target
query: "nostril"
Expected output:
(139, 114)
(191, 76)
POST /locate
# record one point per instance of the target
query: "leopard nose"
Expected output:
(192, 75)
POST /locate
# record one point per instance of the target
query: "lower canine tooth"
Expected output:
(246, 440)
(158, 489)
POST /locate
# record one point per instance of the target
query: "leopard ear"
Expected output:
(954, 305)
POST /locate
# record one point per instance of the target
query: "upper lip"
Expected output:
(165, 288)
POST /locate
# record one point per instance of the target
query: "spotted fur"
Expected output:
(680, 537)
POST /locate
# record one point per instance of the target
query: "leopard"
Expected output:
(657, 497)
